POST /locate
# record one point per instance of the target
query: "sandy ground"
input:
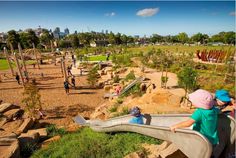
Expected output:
(56, 104)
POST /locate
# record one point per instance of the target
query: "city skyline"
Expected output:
(131, 18)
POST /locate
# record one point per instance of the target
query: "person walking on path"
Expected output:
(18, 78)
(66, 86)
(69, 70)
(73, 81)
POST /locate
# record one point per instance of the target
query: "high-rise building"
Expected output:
(66, 31)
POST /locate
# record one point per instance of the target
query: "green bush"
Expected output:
(87, 143)
(52, 130)
(116, 79)
(27, 149)
(130, 76)
(114, 108)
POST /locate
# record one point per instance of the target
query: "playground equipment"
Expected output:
(211, 56)
(134, 82)
(190, 142)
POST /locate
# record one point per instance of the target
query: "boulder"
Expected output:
(27, 124)
(9, 147)
(45, 144)
(107, 87)
(13, 114)
(41, 131)
(7, 106)
(3, 120)
(133, 155)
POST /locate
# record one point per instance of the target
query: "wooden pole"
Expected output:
(54, 54)
(64, 70)
(36, 55)
(62, 67)
(12, 49)
(8, 61)
(22, 57)
(19, 70)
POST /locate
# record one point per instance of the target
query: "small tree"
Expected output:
(31, 99)
(187, 78)
(93, 76)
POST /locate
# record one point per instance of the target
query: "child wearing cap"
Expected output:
(223, 99)
(204, 119)
(137, 116)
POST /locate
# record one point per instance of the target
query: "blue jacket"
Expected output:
(137, 120)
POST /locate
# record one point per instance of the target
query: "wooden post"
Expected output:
(22, 57)
(62, 67)
(64, 70)
(54, 54)
(36, 55)
(12, 49)
(19, 70)
(8, 60)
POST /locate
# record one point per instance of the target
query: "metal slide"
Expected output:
(139, 79)
(191, 143)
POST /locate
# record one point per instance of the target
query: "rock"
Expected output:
(14, 113)
(41, 131)
(7, 106)
(73, 127)
(3, 120)
(107, 87)
(27, 124)
(133, 155)
(172, 152)
(9, 147)
(28, 138)
(45, 144)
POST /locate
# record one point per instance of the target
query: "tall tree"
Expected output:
(183, 37)
(75, 41)
(13, 38)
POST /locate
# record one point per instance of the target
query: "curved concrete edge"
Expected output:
(190, 142)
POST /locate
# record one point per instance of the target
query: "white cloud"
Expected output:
(110, 14)
(232, 13)
(147, 12)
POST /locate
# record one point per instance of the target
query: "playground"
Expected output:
(104, 90)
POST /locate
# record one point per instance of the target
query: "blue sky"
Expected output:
(129, 17)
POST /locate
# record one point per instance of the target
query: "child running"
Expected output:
(204, 118)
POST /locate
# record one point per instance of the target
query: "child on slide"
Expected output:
(204, 119)
(137, 116)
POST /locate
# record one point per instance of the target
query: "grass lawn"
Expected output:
(97, 58)
(86, 143)
(181, 48)
(4, 64)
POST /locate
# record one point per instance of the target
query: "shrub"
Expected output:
(31, 99)
(93, 76)
(130, 76)
(52, 130)
(116, 79)
(187, 78)
(27, 149)
(113, 108)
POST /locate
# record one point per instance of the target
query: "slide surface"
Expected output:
(191, 143)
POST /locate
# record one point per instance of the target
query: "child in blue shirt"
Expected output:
(137, 116)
